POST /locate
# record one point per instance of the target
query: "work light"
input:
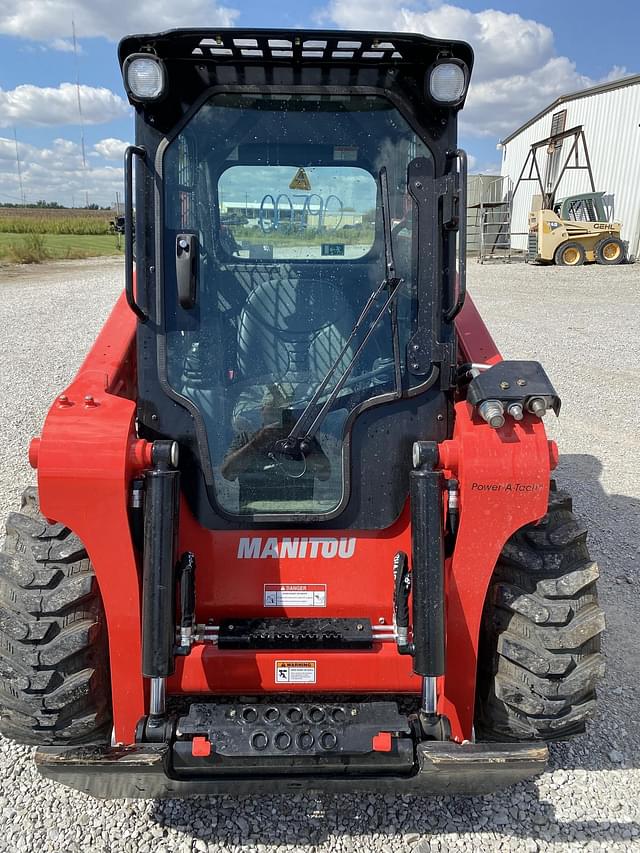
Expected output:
(448, 82)
(144, 77)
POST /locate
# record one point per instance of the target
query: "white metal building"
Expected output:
(610, 117)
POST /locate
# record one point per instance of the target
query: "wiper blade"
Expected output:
(307, 424)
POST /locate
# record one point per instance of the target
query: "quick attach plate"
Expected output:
(284, 729)
(295, 634)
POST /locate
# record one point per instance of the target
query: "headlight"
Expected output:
(447, 82)
(144, 77)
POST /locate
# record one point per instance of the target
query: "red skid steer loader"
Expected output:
(294, 524)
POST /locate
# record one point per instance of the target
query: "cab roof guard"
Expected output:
(271, 46)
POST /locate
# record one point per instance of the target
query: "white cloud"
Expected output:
(65, 46)
(516, 72)
(499, 105)
(43, 20)
(110, 149)
(56, 173)
(29, 105)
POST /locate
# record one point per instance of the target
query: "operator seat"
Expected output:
(291, 330)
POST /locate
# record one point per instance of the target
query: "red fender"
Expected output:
(504, 484)
(86, 457)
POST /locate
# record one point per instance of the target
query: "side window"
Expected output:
(576, 211)
(583, 210)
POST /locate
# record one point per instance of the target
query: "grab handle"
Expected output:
(461, 290)
(130, 152)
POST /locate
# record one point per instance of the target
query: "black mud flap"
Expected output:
(146, 770)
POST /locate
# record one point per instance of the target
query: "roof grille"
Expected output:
(225, 47)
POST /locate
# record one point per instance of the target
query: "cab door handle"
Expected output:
(187, 269)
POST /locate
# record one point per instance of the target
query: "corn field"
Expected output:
(37, 221)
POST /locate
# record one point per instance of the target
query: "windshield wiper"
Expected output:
(299, 440)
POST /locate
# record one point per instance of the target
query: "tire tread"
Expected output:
(540, 657)
(54, 670)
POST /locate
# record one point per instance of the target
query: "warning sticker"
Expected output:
(300, 181)
(295, 595)
(295, 672)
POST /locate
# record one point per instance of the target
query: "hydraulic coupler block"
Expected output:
(512, 388)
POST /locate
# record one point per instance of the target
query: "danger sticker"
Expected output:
(295, 595)
(295, 672)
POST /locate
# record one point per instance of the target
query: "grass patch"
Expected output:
(30, 250)
(36, 248)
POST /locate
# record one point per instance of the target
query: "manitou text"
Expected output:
(296, 548)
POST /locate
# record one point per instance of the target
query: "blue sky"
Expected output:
(527, 53)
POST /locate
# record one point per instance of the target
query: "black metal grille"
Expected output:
(296, 47)
(262, 47)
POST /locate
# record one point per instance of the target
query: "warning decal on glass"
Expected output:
(300, 181)
(295, 672)
(295, 595)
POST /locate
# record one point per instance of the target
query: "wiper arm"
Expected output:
(299, 439)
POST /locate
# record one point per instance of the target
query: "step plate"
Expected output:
(295, 634)
(286, 730)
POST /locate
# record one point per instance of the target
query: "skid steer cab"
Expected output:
(293, 525)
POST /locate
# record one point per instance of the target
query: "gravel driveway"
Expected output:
(584, 326)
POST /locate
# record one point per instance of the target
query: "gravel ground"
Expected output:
(584, 326)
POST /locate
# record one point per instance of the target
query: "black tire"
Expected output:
(539, 657)
(54, 664)
(569, 254)
(609, 251)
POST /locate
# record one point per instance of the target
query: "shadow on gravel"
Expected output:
(405, 822)
(399, 823)
(613, 519)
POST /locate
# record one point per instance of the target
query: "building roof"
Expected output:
(573, 96)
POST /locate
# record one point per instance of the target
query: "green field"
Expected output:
(34, 235)
(37, 248)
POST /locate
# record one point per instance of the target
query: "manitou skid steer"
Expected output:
(294, 524)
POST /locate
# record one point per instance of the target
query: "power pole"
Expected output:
(84, 157)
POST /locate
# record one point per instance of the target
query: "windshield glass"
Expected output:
(280, 198)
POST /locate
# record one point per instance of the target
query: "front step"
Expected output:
(327, 737)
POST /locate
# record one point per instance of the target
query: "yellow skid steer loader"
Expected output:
(576, 229)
